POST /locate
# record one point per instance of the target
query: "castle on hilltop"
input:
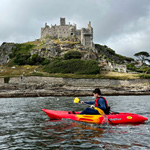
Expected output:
(84, 35)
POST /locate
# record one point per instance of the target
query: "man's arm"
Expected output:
(90, 103)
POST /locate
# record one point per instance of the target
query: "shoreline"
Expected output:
(42, 94)
(50, 86)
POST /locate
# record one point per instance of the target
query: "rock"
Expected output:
(13, 67)
(5, 50)
(90, 56)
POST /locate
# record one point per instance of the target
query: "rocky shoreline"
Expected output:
(50, 86)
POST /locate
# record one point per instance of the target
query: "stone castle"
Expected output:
(84, 35)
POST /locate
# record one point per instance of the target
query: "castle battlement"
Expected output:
(85, 35)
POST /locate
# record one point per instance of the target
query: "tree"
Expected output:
(143, 56)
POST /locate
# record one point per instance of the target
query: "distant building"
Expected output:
(84, 35)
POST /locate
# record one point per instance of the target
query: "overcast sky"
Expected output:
(123, 25)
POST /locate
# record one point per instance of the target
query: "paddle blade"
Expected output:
(99, 110)
(76, 100)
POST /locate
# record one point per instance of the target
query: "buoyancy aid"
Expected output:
(96, 101)
(107, 107)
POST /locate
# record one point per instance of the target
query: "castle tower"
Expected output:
(62, 22)
(87, 36)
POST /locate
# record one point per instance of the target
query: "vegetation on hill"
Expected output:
(111, 56)
(144, 68)
(76, 66)
(21, 55)
(70, 59)
(72, 63)
(141, 69)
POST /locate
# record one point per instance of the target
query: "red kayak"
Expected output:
(113, 118)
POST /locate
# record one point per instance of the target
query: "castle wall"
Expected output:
(88, 40)
(78, 34)
(59, 31)
(44, 32)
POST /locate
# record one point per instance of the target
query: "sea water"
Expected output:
(23, 125)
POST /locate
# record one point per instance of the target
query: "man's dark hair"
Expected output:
(98, 91)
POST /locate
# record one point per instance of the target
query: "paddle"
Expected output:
(77, 100)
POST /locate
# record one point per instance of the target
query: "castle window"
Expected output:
(71, 34)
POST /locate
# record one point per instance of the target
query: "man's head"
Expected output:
(97, 92)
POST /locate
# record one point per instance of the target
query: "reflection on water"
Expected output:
(25, 126)
(84, 135)
(74, 133)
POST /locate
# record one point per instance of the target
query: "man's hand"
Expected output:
(82, 102)
(92, 106)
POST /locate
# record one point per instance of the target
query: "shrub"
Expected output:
(145, 69)
(145, 76)
(66, 66)
(52, 67)
(73, 66)
(21, 53)
(116, 69)
(90, 67)
(73, 55)
(35, 59)
(21, 48)
(131, 67)
(11, 56)
(27, 59)
(22, 58)
(45, 62)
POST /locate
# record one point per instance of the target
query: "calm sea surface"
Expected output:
(24, 126)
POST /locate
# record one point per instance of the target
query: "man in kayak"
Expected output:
(99, 102)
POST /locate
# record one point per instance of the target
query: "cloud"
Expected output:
(122, 25)
(133, 38)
